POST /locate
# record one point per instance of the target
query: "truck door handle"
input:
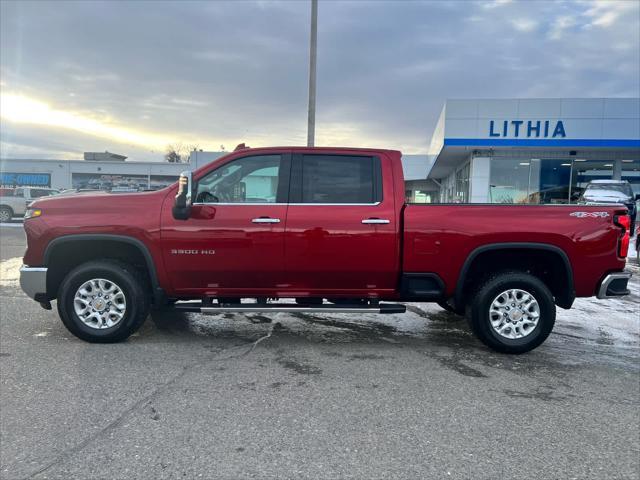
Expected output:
(376, 221)
(266, 220)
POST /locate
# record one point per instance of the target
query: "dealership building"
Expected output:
(98, 170)
(530, 150)
(482, 151)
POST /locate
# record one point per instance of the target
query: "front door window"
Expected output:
(246, 180)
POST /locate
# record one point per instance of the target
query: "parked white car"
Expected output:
(14, 201)
(612, 191)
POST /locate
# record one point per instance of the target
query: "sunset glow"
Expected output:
(22, 109)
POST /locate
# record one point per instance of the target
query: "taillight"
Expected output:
(624, 222)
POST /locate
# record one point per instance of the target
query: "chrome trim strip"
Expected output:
(265, 220)
(33, 280)
(335, 204)
(238, 203)
(602, 291)
(292, 204)
(376, 221)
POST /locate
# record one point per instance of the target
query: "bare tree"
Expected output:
(172, 153)
(179, 152)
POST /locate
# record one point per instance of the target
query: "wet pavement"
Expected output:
(316, 396)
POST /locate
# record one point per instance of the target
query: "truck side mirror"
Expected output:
(182, 204)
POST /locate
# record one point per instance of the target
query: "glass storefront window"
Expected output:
(421, 191)
(509, 180)
(523, 181)
(538, 181)
(423, 197)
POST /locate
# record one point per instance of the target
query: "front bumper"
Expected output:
(614, 285)
(33, 281)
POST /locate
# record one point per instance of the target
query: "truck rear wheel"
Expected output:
(103, 301)
(512, 312)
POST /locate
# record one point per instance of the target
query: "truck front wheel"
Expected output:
(512, 312)
(103, 301)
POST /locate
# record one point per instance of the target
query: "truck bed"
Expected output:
(440, 238)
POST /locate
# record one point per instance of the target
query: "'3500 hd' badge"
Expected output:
(179, 251)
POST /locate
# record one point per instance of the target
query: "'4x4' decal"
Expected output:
(589, 214)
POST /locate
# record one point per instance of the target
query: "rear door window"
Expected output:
(339, 179)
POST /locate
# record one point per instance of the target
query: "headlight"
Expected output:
(32, 213)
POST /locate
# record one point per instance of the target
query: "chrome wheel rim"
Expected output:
(100, 303)
(5, 216)
(514, 313)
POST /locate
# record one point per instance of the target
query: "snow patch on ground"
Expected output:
(614, 321)
(10, 271)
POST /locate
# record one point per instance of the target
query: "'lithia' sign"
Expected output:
(528, 128)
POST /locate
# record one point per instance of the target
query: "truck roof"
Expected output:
(242, 147)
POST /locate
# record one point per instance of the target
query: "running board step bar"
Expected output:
(212, 309)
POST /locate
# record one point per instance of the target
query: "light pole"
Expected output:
(313, 49)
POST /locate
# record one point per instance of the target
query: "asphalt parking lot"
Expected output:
(399, 396)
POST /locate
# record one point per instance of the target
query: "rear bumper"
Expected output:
(614, 285)
(33, 281)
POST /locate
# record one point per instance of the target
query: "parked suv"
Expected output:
(611, 191)
(14, 201)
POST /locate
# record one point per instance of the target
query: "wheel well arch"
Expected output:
(547, 262)
(67, 252)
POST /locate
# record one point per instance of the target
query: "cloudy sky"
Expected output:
(132, 77)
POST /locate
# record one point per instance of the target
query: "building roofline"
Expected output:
(497, 99)
(89, 162)
(530, 142)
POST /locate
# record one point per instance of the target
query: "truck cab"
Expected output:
(297, 223)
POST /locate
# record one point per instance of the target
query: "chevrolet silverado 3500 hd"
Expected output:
(328, 227)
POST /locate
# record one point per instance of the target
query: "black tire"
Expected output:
(479, 317)
(133, 285)
(6, 214)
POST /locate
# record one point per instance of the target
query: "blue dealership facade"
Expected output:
(530, 150)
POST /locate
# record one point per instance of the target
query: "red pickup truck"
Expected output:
(322, 229)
